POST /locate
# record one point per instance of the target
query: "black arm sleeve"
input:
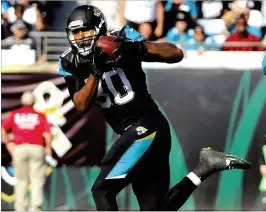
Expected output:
(74, 84)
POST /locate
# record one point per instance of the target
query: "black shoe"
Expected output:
(211, 161)
(219, 161)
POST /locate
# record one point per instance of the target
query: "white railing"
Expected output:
(213, 60)
(51, 44)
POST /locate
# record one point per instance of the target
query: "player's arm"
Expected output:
(135, 45)
(150, 52)
(85, 97)
(83, 94)
(161, 52)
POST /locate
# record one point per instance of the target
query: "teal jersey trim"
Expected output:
(62, 71)
(130, 158)
(132, 34)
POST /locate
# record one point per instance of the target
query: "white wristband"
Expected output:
(194, 178)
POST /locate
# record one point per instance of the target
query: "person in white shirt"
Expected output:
(19, 38)
(147, 17)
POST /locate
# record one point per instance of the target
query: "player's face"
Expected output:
(83, 37)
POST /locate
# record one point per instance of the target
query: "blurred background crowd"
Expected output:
(196, 25)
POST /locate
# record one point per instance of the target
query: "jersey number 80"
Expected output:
(119, 87)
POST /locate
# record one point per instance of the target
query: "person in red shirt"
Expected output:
(242, 35)
(31, 142)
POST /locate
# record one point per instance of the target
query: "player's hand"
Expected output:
(129, 50)
(98, 62)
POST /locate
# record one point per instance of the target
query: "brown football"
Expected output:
(108, 44)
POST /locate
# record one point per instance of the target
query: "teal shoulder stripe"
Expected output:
(132, 34)
(61, 70)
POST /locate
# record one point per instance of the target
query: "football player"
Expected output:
(140, 156)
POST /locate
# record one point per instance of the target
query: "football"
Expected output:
(108, 44)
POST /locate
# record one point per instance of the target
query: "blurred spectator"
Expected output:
(20, 38)
(253, 4)
(263, 32)
(212, 9)
(216, 9)
(243, 36)
(19, 12)
(251, 29)
(253, 17)
(147, 17)
(5, 32)
(31, 142)
(263, 27)
(180, 33)
(187, 5)
(230, 16)
(263, 8)
(29, 13)
(200, 42)
(5, 5)
(171, 11)
(193, 10)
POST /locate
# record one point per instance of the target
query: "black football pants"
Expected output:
(140, 156)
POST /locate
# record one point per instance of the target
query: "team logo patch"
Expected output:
(141, 130)
(97, 12)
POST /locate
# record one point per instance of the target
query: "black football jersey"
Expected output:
(122, 92)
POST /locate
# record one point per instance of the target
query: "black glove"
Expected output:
(129, 50)
(99, 59)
